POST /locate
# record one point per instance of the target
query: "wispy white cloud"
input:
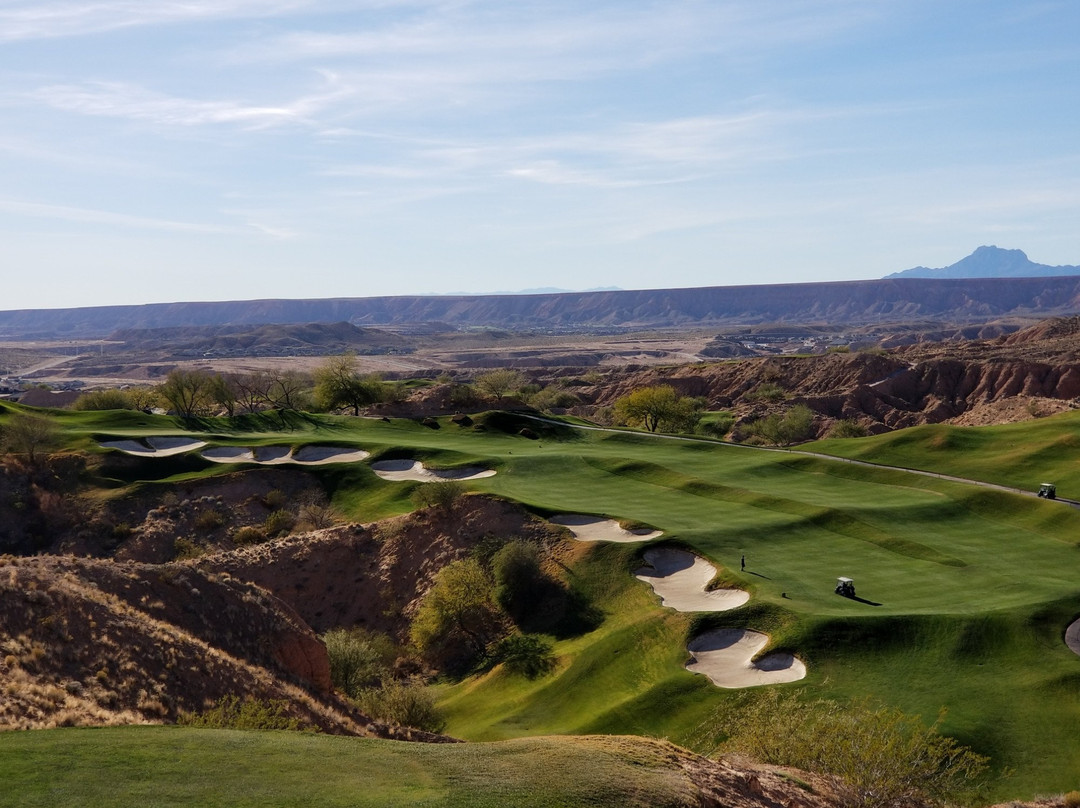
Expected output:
(124, 100)
(21, 20)
(91, 216)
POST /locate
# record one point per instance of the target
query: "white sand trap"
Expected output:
(680, 579)
(317, 455)
(400, 470)
(596, 528)
(725, 657)
(230, 454)
(158, 447)
(1072, 637)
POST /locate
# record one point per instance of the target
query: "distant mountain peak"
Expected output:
(990, 262)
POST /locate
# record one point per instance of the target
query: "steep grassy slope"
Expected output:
(1019, 455)
(141, 766)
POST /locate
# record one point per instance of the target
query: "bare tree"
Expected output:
(252, 390)
(288, 389)
(26, 434)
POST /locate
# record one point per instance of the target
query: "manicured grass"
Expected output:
(1020, 455)
(966, 591)
(173, 766)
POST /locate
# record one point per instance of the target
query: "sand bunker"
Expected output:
(230, 454)
(725, 657)
(401, 470)
(156, 447)
(318, 455)
(680, 579)
(596, 528)
(277, 455)
(1072, 637)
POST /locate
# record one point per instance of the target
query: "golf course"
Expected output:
(964, 593)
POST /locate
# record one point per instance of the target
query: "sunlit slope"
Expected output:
(1020, 455)
(139, 766)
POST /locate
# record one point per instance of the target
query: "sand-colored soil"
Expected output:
(278, 455)
(596, 528)
(155, 447)
(1072, 637)
(725, 657)
(401, 470)
(680, 579)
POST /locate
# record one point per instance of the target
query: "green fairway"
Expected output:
(171, 766)
(964, 592)
(1020, 455)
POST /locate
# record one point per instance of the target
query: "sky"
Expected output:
(176, 150)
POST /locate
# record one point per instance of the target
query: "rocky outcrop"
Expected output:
(93, 642)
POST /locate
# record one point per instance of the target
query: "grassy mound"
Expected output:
(173, 766)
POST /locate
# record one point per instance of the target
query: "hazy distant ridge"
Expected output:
(847, 302)
(990, 262)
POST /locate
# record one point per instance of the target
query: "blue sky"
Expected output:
(159, 150)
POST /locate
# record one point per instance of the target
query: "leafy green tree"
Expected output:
(339, 384)
(659, 407)
(499, 383)
(458, 618)
(187, 392)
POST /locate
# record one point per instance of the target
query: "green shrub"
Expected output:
(278, 523)
(444, 495)
(797, 424)
(210, 519)
(248, 534)
(769, 392)
(232, 712)
(186, 548)
(462, 395)
(274, 499)
(359, 659)
(873, 758)
(528, 655)
(404, 703)
(112, 399)
(717, 425)
(848, 428)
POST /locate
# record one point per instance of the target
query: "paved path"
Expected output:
(1071, 502)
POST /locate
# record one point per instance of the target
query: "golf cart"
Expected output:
(845, 587)
(1048, 491)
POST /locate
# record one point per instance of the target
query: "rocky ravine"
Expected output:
(1024, 375)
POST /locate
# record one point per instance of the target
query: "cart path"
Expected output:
(982, 484)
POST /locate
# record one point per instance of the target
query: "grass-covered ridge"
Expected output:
(966, 590)
(138, 766)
